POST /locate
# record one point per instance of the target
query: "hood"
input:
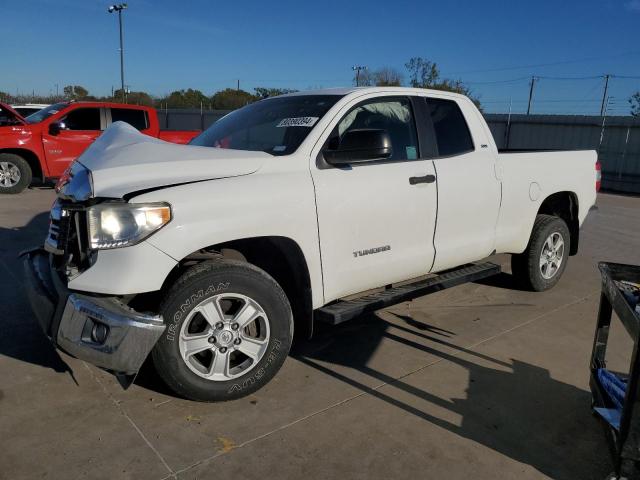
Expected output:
(9, 113)
(123, 160)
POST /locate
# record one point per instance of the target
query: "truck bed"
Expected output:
(177, 136)
(527, 177)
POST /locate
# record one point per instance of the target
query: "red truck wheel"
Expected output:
(15, 173)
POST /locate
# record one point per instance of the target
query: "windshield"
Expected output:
(8, 118)
(45, 113)
(277, 125)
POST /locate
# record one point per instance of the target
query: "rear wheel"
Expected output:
(15, 173)
(229, 330)
(542, 264)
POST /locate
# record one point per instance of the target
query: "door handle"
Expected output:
(425, 179)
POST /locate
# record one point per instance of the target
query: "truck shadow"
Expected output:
(502, 280)
(22, 337)
(514, 408)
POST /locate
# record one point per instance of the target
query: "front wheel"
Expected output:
(542, 264)
(229, 330)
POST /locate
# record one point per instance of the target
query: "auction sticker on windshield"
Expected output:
(298, 122)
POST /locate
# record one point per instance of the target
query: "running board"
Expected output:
(344, 310)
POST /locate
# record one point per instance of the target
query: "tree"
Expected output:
(634, 101)
(133, 98)
(363, 78)
(425, 74)
(75, 92)
(262, 92)
(387, 77)
(231, 99)
(189, 98)
(4, 96)
(422, 72)
(382, 77)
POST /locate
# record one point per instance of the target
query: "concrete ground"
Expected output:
(480, 381)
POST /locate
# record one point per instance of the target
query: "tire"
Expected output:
(529, 268)
(193, 321)
(15, 173)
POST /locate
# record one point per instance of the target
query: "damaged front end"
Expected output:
(99, 329)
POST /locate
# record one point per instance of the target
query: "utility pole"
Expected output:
(119, 8)
(357, 68)
(238, 85)
(507, 130)
(533, 82)
(604, 95)
(607, 103)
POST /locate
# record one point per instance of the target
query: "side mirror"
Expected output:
(360, 146)
(56, 127)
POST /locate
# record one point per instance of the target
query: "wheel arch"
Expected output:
(281, 257)
(31, 158)
(565, 206)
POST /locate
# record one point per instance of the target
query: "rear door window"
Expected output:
(451, 130)
(136, 118)
(83, 119)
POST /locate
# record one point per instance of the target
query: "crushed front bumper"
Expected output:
(98, 329)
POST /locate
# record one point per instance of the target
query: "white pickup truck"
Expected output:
(206, 255)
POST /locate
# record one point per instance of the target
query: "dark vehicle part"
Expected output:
(344, 310)
(623, 438)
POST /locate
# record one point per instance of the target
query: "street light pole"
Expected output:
(357, 69)
(119, 8)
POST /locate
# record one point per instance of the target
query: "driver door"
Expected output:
(79, 129)
(376, 222)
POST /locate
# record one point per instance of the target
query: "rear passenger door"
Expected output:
(135, 117)
(468, 188)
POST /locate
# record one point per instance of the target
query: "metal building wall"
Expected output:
(617, 141)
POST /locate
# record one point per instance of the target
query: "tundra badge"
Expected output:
(370, 251)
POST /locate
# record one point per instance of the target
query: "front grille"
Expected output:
(67, 236)
(59, 226)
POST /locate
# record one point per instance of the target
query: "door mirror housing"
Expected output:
(360, 146)
(56, 127)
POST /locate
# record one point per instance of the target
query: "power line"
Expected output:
(520, 79)
(593, 77)
(550, 64)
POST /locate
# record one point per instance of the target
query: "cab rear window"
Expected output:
(451, 130)
(136, 118)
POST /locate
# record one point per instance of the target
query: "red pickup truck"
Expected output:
(43, 144)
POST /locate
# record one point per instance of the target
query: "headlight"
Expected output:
(113, 225)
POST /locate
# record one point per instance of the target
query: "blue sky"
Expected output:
(301, 44)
